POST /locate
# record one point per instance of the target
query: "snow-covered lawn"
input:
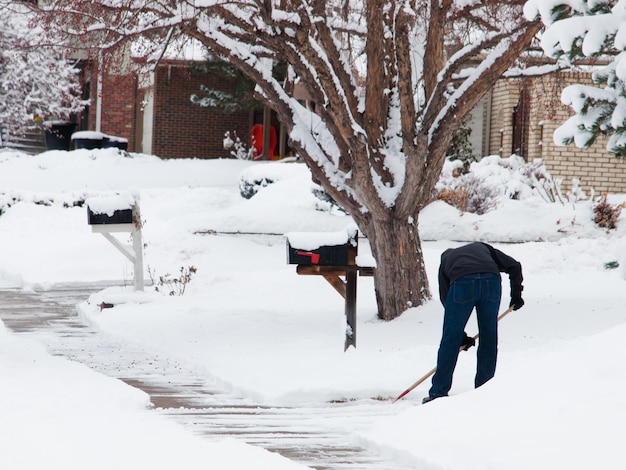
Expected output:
(246, 318)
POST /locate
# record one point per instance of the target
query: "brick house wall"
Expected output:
(181, 129)
(177, 128)
(119, 101)
(595, 168)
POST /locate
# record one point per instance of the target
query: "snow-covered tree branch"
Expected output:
(36, 83)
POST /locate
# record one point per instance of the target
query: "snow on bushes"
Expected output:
(256, 177)
(493, 179)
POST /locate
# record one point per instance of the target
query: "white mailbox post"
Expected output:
(111, 214)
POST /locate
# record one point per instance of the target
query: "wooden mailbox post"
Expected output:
(107, 215)
(332, 261)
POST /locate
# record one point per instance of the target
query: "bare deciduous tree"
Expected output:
(391, 81)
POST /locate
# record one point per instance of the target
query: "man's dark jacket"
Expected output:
(477, 258)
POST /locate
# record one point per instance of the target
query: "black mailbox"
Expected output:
(335, 255)
(121, 216)
(332, 255)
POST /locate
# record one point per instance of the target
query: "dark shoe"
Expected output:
(426, 400)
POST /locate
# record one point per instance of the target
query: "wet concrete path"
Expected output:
(317, 434)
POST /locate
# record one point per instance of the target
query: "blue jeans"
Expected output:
(484, 292)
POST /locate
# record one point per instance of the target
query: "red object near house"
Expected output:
(257, 141)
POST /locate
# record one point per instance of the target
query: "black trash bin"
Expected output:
(58, 134)
(116, 142)
(89, 140)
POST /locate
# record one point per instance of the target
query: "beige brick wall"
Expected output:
(504, 97)
(595, 168)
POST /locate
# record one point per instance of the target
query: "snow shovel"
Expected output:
(434, 369)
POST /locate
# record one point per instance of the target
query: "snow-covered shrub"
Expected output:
(237, 147)
(576, 193)
(264, 173)
(250, 184)
(472, 196)
(461, 146)
(257, 177)
(248, 188)
(492, 180)
(10, 198)
(543, 183)
(327, 203)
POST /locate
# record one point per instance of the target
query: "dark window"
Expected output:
(521, 119)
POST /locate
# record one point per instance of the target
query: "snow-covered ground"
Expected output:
(248, 320)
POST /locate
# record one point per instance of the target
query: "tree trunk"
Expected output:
(400, 278)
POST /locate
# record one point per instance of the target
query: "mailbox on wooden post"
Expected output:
(120, 213)
(333, 256)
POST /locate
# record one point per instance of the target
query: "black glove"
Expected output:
(516, 299)
(467, 342)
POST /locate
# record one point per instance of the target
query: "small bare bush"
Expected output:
(456, 197)
(606, 214)
(173, 285)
